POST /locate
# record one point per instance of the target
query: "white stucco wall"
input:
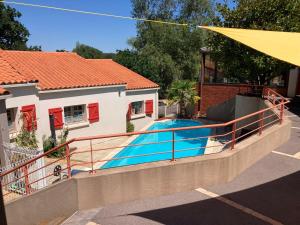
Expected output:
(22, 96)
(113, 106)
(143, 95)
(112, 110)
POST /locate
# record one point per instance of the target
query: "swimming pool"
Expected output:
(165, 147)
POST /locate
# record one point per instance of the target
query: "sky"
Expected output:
(54, 29)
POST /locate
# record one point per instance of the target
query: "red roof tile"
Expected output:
(3, 91)
(53, 70)
(132, 79)
(8, 75)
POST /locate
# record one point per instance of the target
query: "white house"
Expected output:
(89, 97)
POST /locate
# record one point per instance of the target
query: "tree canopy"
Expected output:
(164, 53)
(241, 62)
(89, 52)
(13, 34)
(184, 93)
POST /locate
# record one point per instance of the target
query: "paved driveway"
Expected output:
(266, 193)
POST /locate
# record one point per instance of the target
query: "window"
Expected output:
(11, 118)
(137, 108)
(74, 114)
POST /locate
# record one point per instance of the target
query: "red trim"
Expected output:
(29, 117)
(93, 112)
(58, 118)
(149, 107)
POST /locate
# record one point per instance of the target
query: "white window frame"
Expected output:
(72, 119)
(133, 111)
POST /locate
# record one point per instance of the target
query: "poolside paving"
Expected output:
(266, 193)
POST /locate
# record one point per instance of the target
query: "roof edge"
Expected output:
(45, 91)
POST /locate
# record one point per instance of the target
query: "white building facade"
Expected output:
(85, 110)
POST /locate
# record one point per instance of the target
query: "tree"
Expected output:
(108, 55)
(241, 62)
(13, 34)
(87, 52)
(184, 93)
(127, 58)
(151, 63)
(37, 48)
(163, 52)
(61, 50)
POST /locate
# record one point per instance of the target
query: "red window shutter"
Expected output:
(58, 118)
(149, 107)
(93, 112)
(128, 115)
(29, 117)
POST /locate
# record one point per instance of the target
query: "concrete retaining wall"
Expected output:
(240, 106)
(59, 200)
(118, 185)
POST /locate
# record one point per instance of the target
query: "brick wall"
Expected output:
(214, 94)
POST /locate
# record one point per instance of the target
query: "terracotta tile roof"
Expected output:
(53, 70)
(3, 91)
(8, 75)
(132, 79)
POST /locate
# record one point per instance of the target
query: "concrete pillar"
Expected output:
(4, 131)
(293, 81)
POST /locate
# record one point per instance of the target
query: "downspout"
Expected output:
(4, 138)
(202, 74)
(4, 130)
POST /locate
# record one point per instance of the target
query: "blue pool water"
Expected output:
(166, 147)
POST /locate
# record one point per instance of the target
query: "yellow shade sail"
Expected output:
(281, 45)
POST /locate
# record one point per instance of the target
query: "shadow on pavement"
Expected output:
(278, 199)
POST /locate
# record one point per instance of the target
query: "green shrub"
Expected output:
(48, 144)
(26, 138)
(161, 116)
(130, 127)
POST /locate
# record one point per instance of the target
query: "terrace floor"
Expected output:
(266, 193)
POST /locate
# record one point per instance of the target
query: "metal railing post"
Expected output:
(173, 146)
(281, 110)
(233, 135)
(27, 185)
(68, 157)
(165, 111)
(92, 159)
(261, 122)
(2, 207)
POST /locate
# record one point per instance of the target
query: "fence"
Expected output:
(16, 156)
(170, 148)
(165, 110)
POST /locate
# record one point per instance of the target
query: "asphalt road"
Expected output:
(266, 193)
